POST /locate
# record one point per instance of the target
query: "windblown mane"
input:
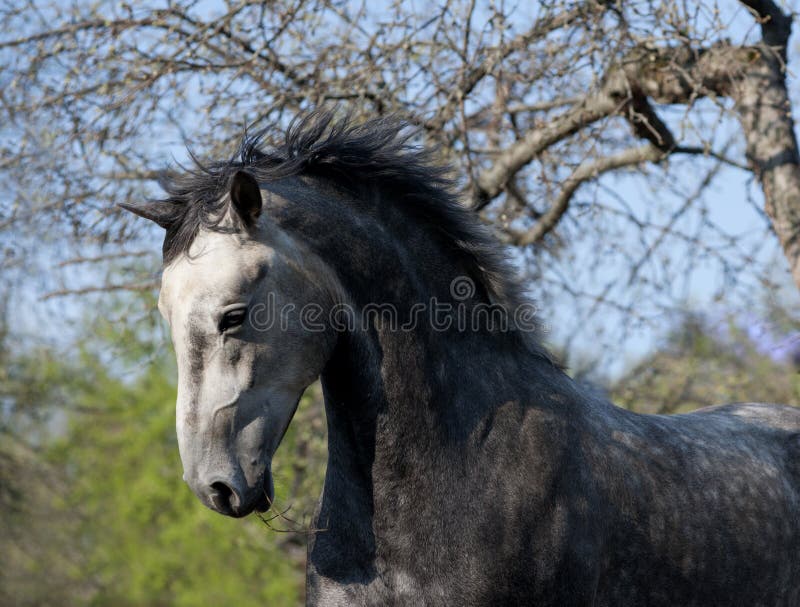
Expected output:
(376, 152)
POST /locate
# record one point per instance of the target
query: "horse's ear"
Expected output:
(246, 197)
(159, 212)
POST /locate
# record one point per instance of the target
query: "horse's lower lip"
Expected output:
(264, 502)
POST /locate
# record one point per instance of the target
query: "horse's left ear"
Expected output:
(246, 197)
(161, 213)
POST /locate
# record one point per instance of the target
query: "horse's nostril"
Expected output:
(224, 498)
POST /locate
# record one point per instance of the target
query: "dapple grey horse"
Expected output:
(464, 466)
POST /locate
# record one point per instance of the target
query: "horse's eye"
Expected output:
(232, 318)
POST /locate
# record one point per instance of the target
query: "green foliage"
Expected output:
(698, 366)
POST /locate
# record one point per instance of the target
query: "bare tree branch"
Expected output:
(776, 26)
(492, 181)
(585, 172)
(141, 286)
(103, 258)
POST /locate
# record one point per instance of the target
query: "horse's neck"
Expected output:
(425, 388)
(403, 410)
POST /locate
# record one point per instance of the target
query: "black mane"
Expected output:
(376, 152)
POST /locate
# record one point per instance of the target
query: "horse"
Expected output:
(465, 467)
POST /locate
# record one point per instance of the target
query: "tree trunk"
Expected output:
(763, 107)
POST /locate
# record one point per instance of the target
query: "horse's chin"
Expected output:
(267, 495)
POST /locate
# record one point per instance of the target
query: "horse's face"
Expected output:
(234, 305)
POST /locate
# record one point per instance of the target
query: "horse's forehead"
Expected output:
(216, 262)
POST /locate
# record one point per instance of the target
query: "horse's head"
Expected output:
(234, 302)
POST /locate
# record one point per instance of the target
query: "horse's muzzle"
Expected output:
(228, 499)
